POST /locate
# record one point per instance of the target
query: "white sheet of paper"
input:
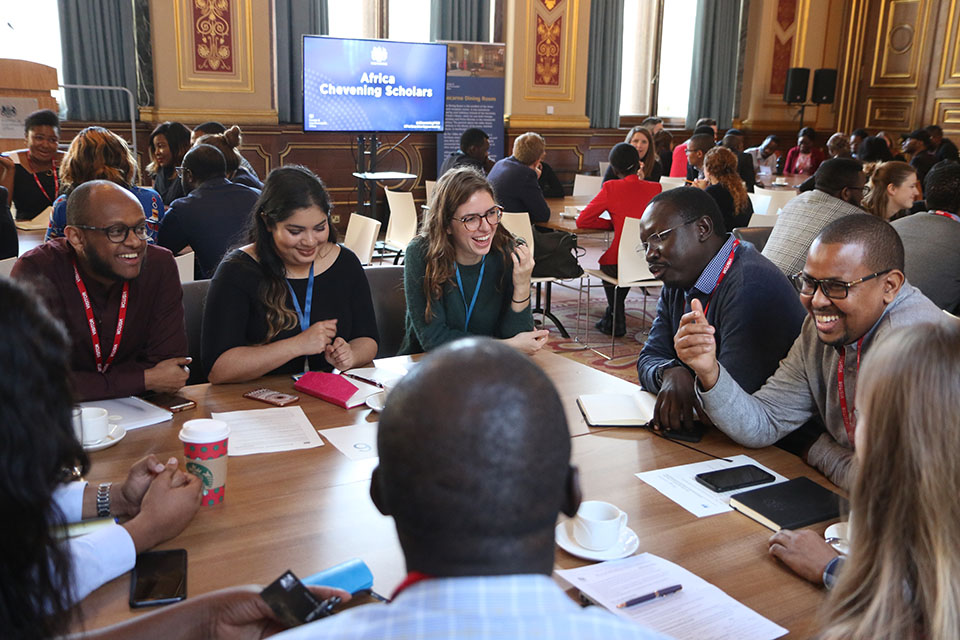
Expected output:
(268, 430)
(679, 484)
(699, 611)
(131, 412)
(357, 442)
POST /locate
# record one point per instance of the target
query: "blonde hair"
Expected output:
(453, 189)
(650, 159)
(883, 174)
(902, 579)
(721, 163)
(528, 147)
(228, 143)
(97, 154)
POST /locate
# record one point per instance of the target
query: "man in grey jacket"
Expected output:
(854, 291)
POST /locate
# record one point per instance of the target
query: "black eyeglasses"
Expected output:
(865, 189)
(657, 238)
(117, 233)
(833, 289)
(471, 221)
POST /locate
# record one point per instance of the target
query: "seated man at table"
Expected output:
(855, 293)
(515, 178)
(752, 305)
(474, 473)
(118, 297)
(474, 145)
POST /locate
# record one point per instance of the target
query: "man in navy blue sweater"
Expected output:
(753, 306)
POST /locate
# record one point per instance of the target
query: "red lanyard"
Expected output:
(947, 214)
(841, 365)
(92, 325)
(723, 274)
(412, 578)
(56, 180)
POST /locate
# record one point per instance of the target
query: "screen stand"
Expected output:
(366, 165)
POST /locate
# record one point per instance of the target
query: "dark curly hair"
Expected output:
(37, 447)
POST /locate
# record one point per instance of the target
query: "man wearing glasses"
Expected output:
(839, 188)
(854, 291)
(118, 296)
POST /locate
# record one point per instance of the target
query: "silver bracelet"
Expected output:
(103, 499)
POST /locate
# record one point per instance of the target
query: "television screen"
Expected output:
(373, 85)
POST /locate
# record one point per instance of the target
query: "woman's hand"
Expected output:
(529, 342)
(701, 184)
(317, 337)
(340, 354)
(522, 258)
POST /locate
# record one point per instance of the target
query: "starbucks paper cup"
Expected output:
(205, 453)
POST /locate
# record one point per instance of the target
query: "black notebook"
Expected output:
(788, 505)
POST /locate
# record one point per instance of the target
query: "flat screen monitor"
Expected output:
(373, 85)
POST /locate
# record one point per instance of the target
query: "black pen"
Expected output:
(650, 596)
(362, 379)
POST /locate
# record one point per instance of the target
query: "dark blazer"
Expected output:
(517, 189)
(746, 170)
(9, 241)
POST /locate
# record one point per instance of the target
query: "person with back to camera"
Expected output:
(625, 197)
(901, 580)
(293, 296)
(465, 274)
(215, 127)
(30, 175)
(100, 154)
(169, 142)
(724, 185)
(42, 575)
(516, 178)
(229, 143)
(641, 139)
(893, 189)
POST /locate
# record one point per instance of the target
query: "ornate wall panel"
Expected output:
(889, 113)
(551, 64)
(899, 48)
(783, 37)
(214, 40)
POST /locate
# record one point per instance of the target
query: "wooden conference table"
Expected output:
(561, 223)
(309, 509)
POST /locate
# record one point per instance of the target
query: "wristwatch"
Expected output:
(103, 499)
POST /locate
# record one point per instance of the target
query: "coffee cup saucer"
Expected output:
(836, 536)
(377, 401)
(115, 435)
(625, 546)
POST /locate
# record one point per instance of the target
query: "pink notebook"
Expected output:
(328, 386)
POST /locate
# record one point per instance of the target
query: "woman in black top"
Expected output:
(169, 142)
(30, 175)
(641, 139)
(726, 187)
(292, 298)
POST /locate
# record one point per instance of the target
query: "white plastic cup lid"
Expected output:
(204, 430)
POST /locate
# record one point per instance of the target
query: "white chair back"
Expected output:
(402, 226)
(762, 220)
(588, 186)
(761, 203)
(519, 225)
(603, 168)
(631, 264)
(6, 266)
(185, 265)
(430, 186)
(671, 183)
(778, 197)
(361, 236)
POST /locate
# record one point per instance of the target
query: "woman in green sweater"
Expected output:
(464, 274)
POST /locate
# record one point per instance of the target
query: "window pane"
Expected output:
(409, 20)
(676, 57)
(352, 19)
(639, 43)
(24, 24)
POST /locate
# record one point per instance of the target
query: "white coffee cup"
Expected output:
(95, 424)
(77, 420)
(598, 525)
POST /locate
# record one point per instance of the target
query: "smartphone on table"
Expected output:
(169, 401)
(159, 577)
(740, 477)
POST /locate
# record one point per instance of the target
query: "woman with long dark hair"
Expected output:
(169, 142)
(641, 139)
(292, 298)
(726, 187)
(464, 274)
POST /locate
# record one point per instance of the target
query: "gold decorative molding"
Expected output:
(569, 147)
(893, 112)
(241, 116)
(214, 44)
(882, 74)
(850, 73)
(546, 122)
(951, 50)
(568, 12)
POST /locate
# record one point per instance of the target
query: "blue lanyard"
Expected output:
(476, 291)
(308, 302)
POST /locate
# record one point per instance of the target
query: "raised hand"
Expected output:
(696, 345)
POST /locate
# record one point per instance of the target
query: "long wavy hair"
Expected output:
(721, 164)
(286, 189)
(97, 154)
(902, 578)
(649, 160)
(178, 139)
(454, 188)
(885, 173)
(37, 446)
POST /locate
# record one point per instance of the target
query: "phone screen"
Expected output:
(159, 577)
(746, 475)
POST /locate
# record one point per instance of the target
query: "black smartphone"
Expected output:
(159, 577)
(170, 401)
(746, 475)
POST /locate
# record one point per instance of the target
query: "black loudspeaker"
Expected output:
(824, 86)
(796, 88)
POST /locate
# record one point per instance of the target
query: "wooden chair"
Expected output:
(402, 226)
(588, 186)
(361, 236)
(633, 271)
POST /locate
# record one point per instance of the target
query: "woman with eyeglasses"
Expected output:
(169, 142)
(464, 274)
(292, 299)
(99, 154)
(30, 175)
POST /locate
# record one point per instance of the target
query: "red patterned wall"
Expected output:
(547, 71)
(213, 41)
(782, 45)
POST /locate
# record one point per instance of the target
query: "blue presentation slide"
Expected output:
(373, 85)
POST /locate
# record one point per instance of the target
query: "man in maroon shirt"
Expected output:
(118, 297)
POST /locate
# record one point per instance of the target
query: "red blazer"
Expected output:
(678, 168)
(625, 198)
(794, 153)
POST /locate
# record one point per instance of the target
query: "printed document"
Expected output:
(268, 430)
